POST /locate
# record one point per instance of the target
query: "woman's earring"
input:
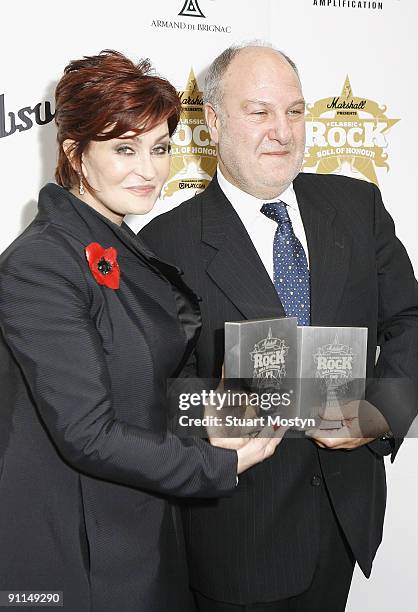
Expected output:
(81, 187)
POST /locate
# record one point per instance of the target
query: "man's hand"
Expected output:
(347, 437)
(360, 423)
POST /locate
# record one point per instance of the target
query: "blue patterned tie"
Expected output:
(291, 273)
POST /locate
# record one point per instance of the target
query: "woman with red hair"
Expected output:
(93, 325)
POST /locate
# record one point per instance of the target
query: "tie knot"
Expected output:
(276, 211)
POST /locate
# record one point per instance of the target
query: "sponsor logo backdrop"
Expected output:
(179, 37)
(357, 61)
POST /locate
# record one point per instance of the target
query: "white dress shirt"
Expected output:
(260, 228)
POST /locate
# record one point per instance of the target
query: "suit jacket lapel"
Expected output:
(85, 224)
(237, 269)
(234, 264)
(329, 249)
(64, 209)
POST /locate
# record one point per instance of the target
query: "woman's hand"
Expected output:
(252, 450)
(253, 445)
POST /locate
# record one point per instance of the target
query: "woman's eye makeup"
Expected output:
(161, 149)
(125, 149)
(158, 149)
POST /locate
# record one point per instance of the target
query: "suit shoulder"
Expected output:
(336, 182)
(174, 234)
(348, 195)
(185, 215)
(43, 249)
(39, 239)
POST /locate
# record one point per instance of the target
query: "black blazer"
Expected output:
(261, 544)
(86, 464)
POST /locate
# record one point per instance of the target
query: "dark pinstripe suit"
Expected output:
(85, 463)
(261, 544)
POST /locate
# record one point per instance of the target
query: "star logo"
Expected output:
(193, 153)
(347, 129)
(268, 357)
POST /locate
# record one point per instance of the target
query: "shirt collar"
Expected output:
(248, 206)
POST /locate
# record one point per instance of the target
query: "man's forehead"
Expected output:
(267, 102)
(268, 90)
(254, 58)
(260, 68)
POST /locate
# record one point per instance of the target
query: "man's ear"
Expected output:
(212, 121)
(68, 147)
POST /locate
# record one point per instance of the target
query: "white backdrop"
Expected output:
(376, 48)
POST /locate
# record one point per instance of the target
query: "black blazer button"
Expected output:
(316, 481)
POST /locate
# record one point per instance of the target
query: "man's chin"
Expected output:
(265, 190)
(267, 193)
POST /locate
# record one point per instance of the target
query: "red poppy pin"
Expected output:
(103, 264)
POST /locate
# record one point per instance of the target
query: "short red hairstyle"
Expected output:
(104, 96)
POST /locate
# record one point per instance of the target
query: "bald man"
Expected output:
(289, 536)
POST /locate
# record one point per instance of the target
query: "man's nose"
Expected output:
(281, 130)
